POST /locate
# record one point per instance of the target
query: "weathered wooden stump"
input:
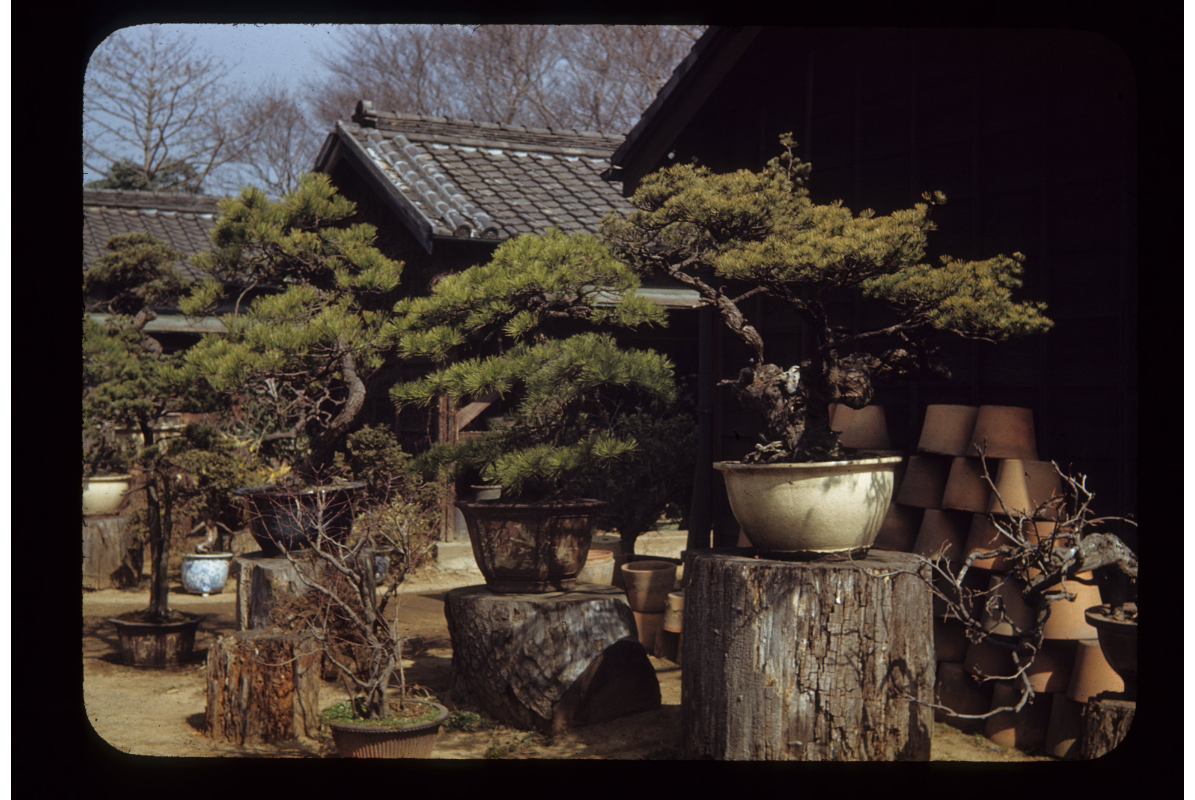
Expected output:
(807, 661)
(262, 687)
(549, 661)
(113, 554)
(1106, 721)
(265, 580)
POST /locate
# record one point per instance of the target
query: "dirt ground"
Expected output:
(161, 712)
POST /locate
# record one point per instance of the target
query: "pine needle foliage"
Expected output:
(564, 391)
(136, 270)
(308, 350)
(760, 234)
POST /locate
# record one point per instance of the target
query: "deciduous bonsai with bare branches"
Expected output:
(737, 236)
(1044, 568)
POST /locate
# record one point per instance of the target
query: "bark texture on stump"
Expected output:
(1105, 724)
(264, 580)
(549, 661)
(262, 688)
(113, 554)
(807, 661)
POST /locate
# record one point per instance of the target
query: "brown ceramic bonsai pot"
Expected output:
(374, 741)
(1118, 641)
(157, 645)
(530, 548)
(282, 520)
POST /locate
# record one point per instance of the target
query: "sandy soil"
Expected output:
(161, 712)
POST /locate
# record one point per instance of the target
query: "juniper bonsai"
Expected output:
(527, 319)
(303, 357)
(759, 234)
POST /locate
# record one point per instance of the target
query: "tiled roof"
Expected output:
(467, 179)
(182, 220)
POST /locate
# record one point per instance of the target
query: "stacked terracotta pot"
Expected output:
(648, 585)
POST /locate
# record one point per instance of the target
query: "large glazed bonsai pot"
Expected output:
(1118, 641)
(371, 741)
(104, 493)
(282, 520)
(531, 548)
(810, 509)
(153, 646)
(205, 573)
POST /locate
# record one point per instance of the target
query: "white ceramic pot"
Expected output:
(103, 495)
(819, 507)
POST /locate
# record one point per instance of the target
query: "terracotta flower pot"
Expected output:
(611, 542)
(1052, 665)
(899, 531)
(674, 612)
(966, 488)
(958, 691)
(975, 583)
(868, 429)
(648, 626)
(1067, 619)
(371, 741)
(950, 641)
(942, 531)
(1023, 486)
(1026, 730)
(1118, 641)
(947, 430)
(599, 568)
(1017, 617)
(924, 482)
(531, 548)
(987, 659)
(1065, 728)
(1091, 673)
(1004, 432)
(648, 584)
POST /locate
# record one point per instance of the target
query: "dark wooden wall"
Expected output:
(1032, 137)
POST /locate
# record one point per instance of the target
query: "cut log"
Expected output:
(549, 662)
(812, 661)
(262, 582)
(1106, 721)
(262, 687)
(113, 553)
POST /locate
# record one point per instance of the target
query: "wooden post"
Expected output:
(549, 661)
(807, 661)
(263, 580)
(262, 687)
(1106, 721)
(113, 554)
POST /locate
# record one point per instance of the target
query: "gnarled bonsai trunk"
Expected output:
(325, 445)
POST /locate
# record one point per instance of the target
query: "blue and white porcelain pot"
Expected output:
(205, 573)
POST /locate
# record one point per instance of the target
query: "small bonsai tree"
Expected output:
(737, 236)
(129, 381)
(303, 358)
(1078, 543)
(527, 318)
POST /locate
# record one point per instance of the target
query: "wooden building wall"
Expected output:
(1032, 137)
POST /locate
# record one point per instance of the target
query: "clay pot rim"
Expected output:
(648, 566)
(739, 466)
(204, 556)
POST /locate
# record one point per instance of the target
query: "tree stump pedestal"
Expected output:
(262, 687)
(265, 580)
(549, 662)
(113, 554)
(807, 661)
(1106, 720)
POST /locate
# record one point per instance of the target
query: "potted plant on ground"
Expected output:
(1039, 568)
(351, 616)
(303, 357)
(128, 380)
(744, 235)
(527, 317)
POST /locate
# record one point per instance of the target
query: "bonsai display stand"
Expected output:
(1106, 720)
(262, 581)
(113, 554)
(807, 661)
(549, 662)
(262, 687)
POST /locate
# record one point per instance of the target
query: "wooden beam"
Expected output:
(470, 412)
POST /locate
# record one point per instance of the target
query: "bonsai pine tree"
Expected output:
(744, 234)
(303, 357)
(128, 380)
(527, 320)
